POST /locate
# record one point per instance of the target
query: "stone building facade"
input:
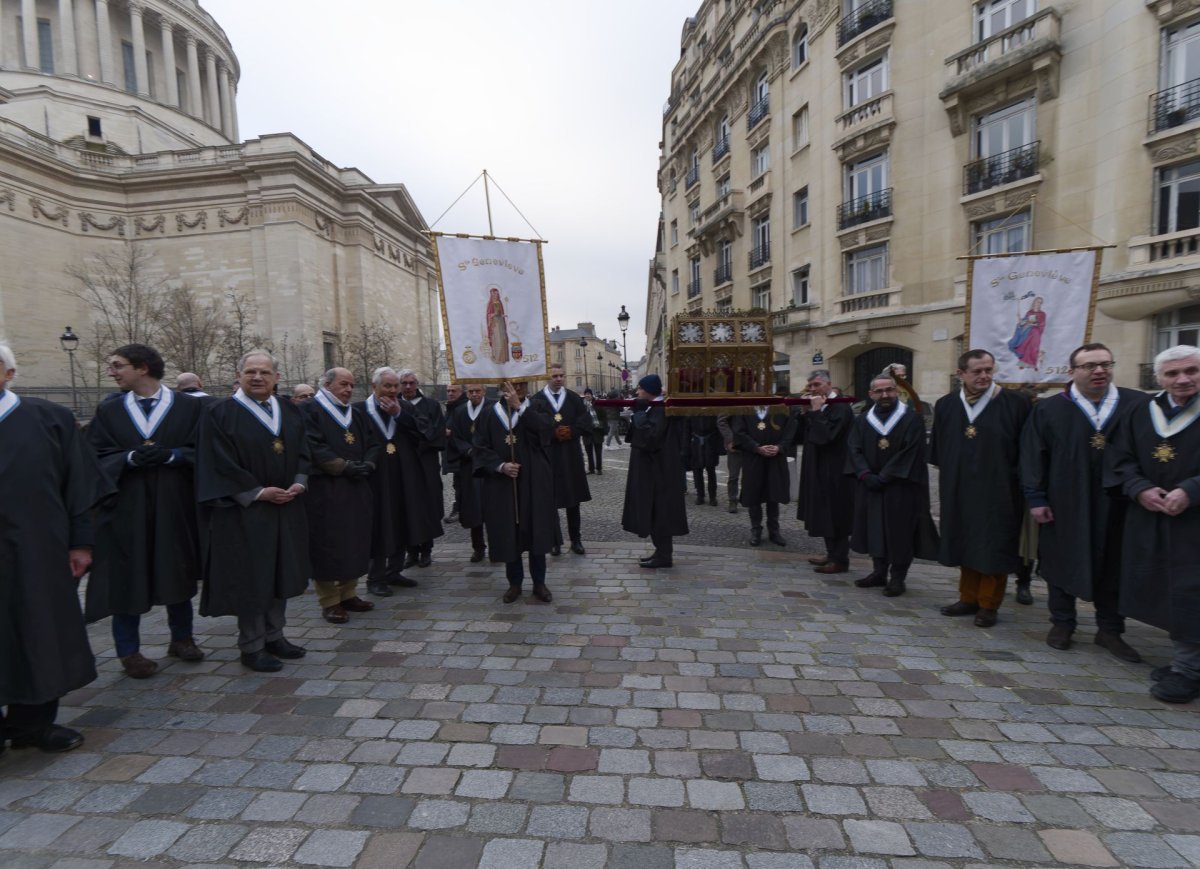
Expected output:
(118, 127)
(831, 160)
(587, 359)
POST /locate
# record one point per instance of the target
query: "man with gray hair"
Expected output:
(1155, 460)
(826, 500)
(51, 481)
(302, 392)
(252, 466)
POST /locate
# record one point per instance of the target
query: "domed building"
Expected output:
(119, 133)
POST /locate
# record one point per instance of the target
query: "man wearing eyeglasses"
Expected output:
(1062, 462)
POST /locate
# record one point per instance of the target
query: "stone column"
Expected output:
(29, 33)
(226, 115)
(195, 104)
(69, 62)
(104, 37)
(214, 99)
(168, 59)
(139, 49)
(233, 116)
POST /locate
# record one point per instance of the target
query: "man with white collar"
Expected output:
(825, 503)
(655, 486)
(252, 466)
(975, 444)
(147, 539)
(50, 481)
(764, 438)
(422, 438)
(339, 502)
(508, 453)
(571, 423)
(1080, 524)
(1155, 460)
(459, 450)
(891, 507)
(188, 383)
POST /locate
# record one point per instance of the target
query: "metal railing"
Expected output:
(865, 302)
(693, 288)
(721, 148)
(1175, 106)
(1004, 168)
(757, 112)
(693, 176)
(864, 209)
(863, 19)
(723, 274)
(760, 255)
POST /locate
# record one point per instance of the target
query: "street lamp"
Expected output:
(600, 369)
(623, 320)
(70, 341)
(583, 344)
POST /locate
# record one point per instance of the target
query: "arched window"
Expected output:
(800, 47)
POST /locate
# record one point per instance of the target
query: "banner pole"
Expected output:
(487, 197)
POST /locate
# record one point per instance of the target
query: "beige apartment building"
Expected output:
(119, 127)
(587, 359)
(830, 161)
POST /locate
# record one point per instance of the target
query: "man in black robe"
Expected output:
(1080, 524)
(188, 383)
(593, 442)
(147, 539)
(388, 523)
(825, 504)
(764, 438)
(510, 455)
(339, 501)
(571, 424)
(421, 440)
(886, 455)
(50, 481)
(655, 487)
(705, 448)
(252, 466)
(455, 398)
(1154, 459)
(975, 444)
(459, 457)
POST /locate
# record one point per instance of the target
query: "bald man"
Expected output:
(190, 384)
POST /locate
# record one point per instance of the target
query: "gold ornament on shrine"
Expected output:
(720, 354)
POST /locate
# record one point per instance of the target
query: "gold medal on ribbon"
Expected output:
(472, 428)
(1164, 453)
(970, 431)
(884, 443)
(391, 449)
(147, 443)
(349, 438)
(762, 426)
(277, 446)
(1097, 441)
(558, 417)
(510, 439)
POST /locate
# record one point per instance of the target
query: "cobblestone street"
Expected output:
(735, 711)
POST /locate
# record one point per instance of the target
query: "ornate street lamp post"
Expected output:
(583, 344)
(623, 320)
(70, 341)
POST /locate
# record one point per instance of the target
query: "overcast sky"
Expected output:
(560, 100)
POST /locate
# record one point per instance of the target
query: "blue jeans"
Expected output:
(515, 570)
(126, 634)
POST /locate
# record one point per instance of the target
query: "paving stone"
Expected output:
(390, 850)
(207, 843)
(704, 794)
(497, 818)
(438, 815)
(1077, 847)
(621, 825)
(448, 852)
(438, 781)
(331, 848)
(567, 855)
(754, 830)
(656, 792)
(92, 835)
(1008, 843)
(943, 840)
(778, 861)
(674, 825)
(484, 784)
(833, 800)
(37, 831)
(327, 809)
(878, 837)
(810, 834)
(997, 807)
(538, 787)
(471, 754)
(382, 811)
(512, 854)
(597, 789)
(558, 822)
(641, 857)
(274, 806)
(1143, 849)
(621, 761)
(781, 768)
(1117, 814)
(703, 858)
(895, 802)
(678, 764)
(147, 839)
(221, 804)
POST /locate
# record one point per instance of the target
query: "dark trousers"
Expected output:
(255, 631)
(385, 567)
(24, 720)
(733, 465)
(126, 633)
(1062, 607)
(664, 546)
(879, 567)
(698, 482)
(477, 538)
(594, 452)
(837, 549)
(756, 517)
(424, 549)
(515, 570)
(455, 483)
(574, 526)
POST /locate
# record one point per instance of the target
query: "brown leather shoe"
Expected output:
(542, 593)
(985, 618)
(1117, 647)
(185, 650)
(832, 567)
(1059, 637)
(138, 666)
(960, 608)
(335, 615)
(514, 592)
(357, 605)
(819, 561)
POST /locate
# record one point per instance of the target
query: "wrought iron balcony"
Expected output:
(864, 209)
(1175, 106)
(757, 112)
(1004, 168)
(723, 274)
(761, 255)
(721, 148)
(863, 19)
(693, 288)
(693, 176)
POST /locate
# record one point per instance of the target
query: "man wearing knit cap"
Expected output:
(654, 489)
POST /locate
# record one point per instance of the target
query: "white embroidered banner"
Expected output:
(493, 308)
(1030, 311)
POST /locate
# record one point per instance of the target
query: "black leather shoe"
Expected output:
(1059, 637)
(985, 618)
(379, 588)
(542, 593)
(1117, 646)
(1160, 673)
(1171, 688)
(655, 563)
(756, 537)
(402, 581)
(700, 500)
(556, 550)
(872, 580)
(894, 588)
(514, 592)
(961, 608)
(577, 548)
(281, 648)
(261, 662)
(477, 556)
(425, 560)
(776, 538)
(732, 506)
(1024, 595)
(55, 739)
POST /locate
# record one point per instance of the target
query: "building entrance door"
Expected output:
(867, 365)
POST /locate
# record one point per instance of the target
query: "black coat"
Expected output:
(981, 504)
(339, 508)
(256, 554)
(519, 514)
(388, 525)
(1160, 563)
(460, 457)
(825, 503)
(892, 523)
(654, 488)
(705, 444)
(49, 480)
(566, 457)
(764, 478)
(421, 437)
(147, 535)
(1062, 466)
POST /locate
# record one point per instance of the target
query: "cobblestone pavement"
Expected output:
(736, 711)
